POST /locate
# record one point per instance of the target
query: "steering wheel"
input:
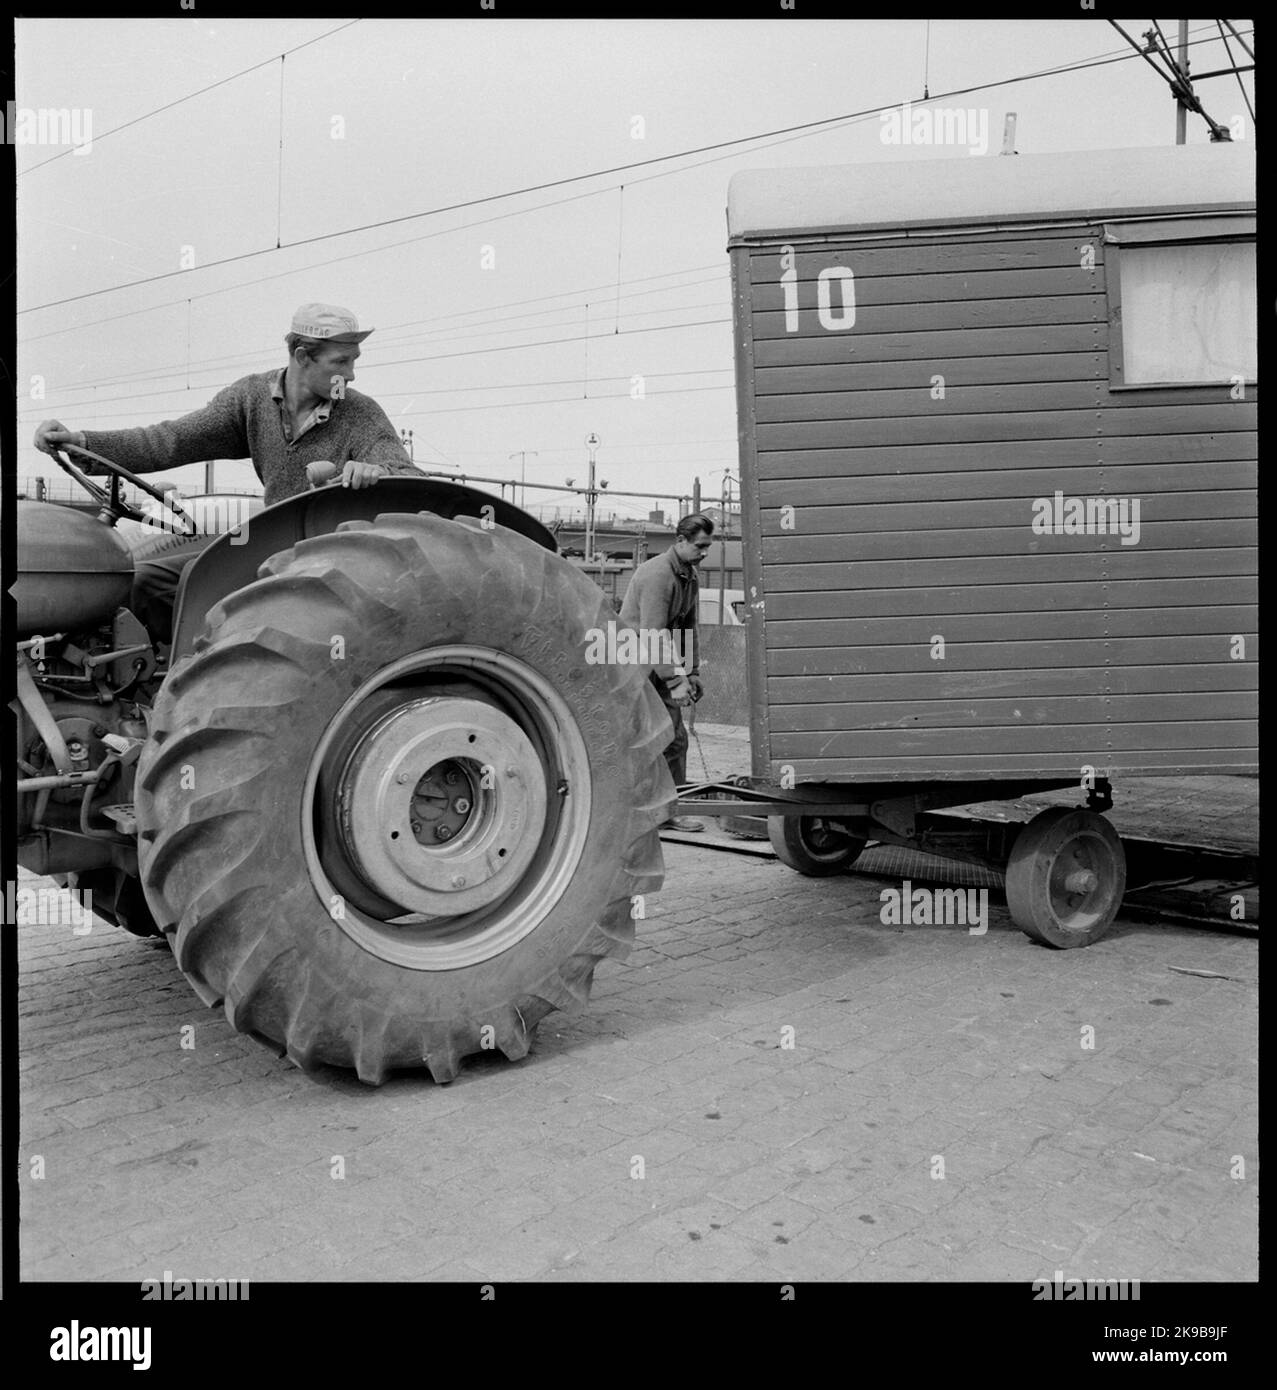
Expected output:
(112, 503)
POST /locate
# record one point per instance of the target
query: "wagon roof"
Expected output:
(990, 188)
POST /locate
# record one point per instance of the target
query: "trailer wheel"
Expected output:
(812, 845)
(390, 812)
(1066, 876)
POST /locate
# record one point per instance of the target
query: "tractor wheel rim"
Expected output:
(523, 784)
(442, 805)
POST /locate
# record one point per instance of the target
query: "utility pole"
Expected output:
(522, 456)
(722, 547)
(592, 442)
(1181, 109)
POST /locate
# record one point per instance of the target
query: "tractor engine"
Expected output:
(86, 675)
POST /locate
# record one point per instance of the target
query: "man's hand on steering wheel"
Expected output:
(52, 435)
(113, 503)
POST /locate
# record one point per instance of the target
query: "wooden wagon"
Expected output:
(998, 456)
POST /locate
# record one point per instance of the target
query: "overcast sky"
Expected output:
(430, 114)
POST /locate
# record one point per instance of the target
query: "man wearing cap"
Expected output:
(282, 420)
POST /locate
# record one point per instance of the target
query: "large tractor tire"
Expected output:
(389, 813)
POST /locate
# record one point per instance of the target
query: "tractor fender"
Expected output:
(232, 561)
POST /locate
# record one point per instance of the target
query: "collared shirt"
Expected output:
(318, 416)
(687, 588)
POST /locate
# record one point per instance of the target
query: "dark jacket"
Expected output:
(664, 596)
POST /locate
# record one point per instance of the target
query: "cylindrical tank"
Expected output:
(73, 570)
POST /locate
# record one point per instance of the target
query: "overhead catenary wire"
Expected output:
(306, 270)
(191, 96)
(437, 390)
(511, 347)
(564, 308)
(279, 179)
(460, 313)
(1245, 97)
(926, 66)
(1250, 52)
(497, 310)
(804, 126)
(435, 357)
(552, 400)
(1178, 81)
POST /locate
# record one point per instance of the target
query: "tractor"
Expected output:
(372, 794)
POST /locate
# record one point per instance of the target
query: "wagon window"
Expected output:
(1183, 311)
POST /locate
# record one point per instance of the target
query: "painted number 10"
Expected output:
(832, 319)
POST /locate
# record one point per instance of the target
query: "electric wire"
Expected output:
(805, 126)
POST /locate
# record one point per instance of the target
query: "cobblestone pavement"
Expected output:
(775, 1086)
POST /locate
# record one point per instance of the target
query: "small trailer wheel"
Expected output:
(1066, 876)
(812, 845)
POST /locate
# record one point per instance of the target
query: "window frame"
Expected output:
(1142, 235)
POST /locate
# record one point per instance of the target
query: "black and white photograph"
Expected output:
(636, 662)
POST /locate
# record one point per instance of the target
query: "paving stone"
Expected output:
(906, 1045)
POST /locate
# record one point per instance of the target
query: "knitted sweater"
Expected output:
(243, 421)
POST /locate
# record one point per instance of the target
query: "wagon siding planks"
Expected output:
(928, 404)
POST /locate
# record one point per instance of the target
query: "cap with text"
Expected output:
(328, 322)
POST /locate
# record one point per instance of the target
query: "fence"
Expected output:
(726, 698)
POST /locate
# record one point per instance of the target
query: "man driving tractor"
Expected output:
(282, 420)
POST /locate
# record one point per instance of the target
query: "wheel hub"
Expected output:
(441, 805)
(442, 801)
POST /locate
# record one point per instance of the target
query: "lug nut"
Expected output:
(461, 805)
(442, 832)
(402, 778)
(458, 882)
(415, 827)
